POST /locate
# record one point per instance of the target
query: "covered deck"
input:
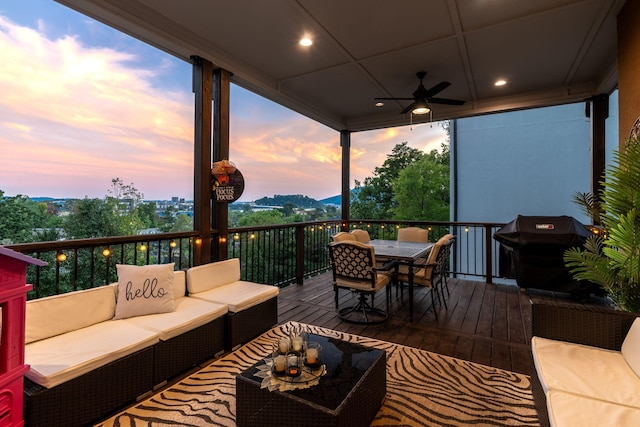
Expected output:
(484, 323)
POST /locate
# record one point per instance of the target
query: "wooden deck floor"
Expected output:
(488, 324)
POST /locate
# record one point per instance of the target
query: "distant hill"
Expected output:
(298, 200)
(334, 200)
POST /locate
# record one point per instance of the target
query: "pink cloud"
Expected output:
(72, 117)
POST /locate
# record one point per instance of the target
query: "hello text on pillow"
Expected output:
(142, 290)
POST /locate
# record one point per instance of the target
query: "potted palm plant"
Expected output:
(612, 258)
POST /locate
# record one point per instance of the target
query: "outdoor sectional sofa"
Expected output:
(586, 365)
(84, 364)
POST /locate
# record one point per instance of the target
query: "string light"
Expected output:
(61, 257)
(106, 252)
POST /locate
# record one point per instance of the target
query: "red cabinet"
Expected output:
(13, 297)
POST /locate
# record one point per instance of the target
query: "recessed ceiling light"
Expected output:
(500, 82)
(306, 41)
(379, 104)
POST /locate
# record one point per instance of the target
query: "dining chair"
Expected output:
(361, 235)
(413, 234)
(342, 236)
(424, 274)
(443, 262)
(354, 268)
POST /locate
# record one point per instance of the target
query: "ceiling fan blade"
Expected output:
(393, 99)
(446, 101)
(436, 89)
(409, 108)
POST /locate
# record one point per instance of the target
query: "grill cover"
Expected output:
(532, 249)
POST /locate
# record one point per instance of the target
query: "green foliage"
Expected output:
(375, 198)
(613, 261)
(422, 190)
(271, 217)
(19, 217)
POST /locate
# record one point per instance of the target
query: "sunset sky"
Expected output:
(81, 103)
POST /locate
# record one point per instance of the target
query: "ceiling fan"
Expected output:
(422, 97)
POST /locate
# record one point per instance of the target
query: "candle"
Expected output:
(283, 345)
(312, 356)
(279, 363)
(297, 343)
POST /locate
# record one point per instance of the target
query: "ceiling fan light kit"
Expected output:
(422, 97)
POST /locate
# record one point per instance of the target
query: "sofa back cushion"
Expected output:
(209, 276)
(631, 347)
(51, 316)
(179, 284)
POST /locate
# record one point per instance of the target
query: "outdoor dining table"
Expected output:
(406, 252)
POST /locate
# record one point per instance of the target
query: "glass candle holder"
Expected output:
(293, 364)
(312, 355)
(283, 345)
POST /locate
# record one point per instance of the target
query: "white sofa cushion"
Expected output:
(571, 410)
(239, 295)
(64, 357)
(51, 316)
(144, 289)
(189, 314)
(631, 347)
(208, 276)
(179, 284)
(588, 371)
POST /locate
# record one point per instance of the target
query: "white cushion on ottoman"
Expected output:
(588, 371)
(64, 357)
(571, 410)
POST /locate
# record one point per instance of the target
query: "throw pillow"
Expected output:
(146, 289)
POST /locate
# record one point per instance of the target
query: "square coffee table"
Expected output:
(349, 395)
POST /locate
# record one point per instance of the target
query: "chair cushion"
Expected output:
(208, 276)
(631, 347)
(146, 289)
(343, 235)
(361, 235)
(64, 357)
(189, 313)
(589, 371)
(570, 410)
(413, 234)
(239, 295)
(382, 279)
(50, 316)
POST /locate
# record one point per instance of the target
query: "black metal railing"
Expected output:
(275, 254)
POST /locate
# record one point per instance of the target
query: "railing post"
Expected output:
(299, 254)
(488, 249)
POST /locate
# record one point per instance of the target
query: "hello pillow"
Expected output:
(146, 289)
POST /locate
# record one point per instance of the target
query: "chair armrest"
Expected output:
(588, 325)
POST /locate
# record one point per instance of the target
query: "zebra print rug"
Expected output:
(423, 389)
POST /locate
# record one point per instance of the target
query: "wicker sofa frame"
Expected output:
(245, 325)
(595, 326)
(99, 393)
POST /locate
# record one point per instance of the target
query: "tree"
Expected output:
(90, 218)
(19, 217)
(422, 190)
(374, 199)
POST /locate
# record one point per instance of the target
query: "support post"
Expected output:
(220, 219)
(599, 106)
(202, 88)
(345, 143)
